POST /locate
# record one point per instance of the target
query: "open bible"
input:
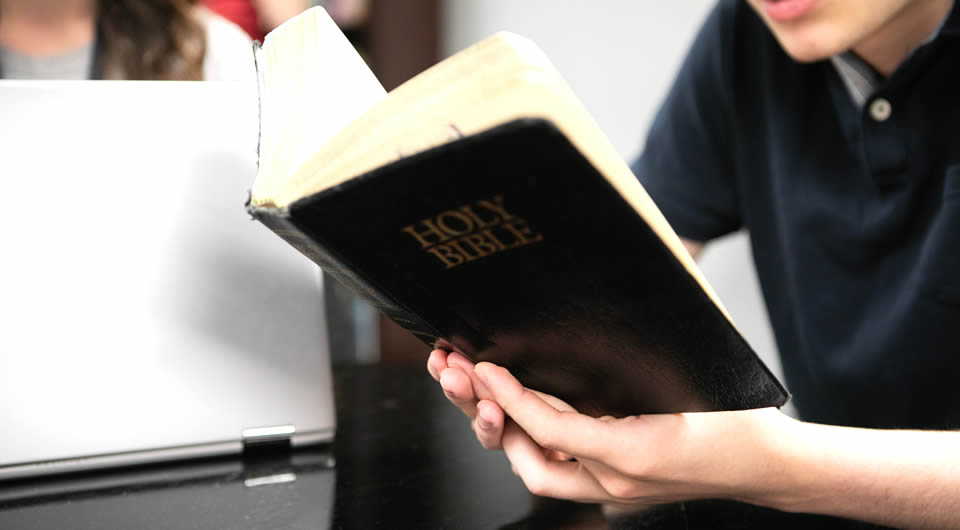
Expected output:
(480, 207)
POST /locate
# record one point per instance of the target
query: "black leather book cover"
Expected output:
(519, 252)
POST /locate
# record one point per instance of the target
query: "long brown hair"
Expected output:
(150, 39)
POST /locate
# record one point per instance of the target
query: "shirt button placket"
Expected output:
(885, 152)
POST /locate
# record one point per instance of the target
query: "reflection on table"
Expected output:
(403, 458)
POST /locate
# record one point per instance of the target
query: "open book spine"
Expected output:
(279, 222)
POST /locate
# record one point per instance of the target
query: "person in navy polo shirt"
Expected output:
(830, 129)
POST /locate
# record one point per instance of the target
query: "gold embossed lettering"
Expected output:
(447, 255)
(524, 234)
(466, 224)
(463, 252)
(480, 222)
(472, 231)
(430, 229)
(479, 244)
(495, 205)
(494, 239)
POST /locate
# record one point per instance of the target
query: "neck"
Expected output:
(47, 27)
(889, 46)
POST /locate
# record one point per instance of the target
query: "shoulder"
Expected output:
(690, 162)
(228, 53)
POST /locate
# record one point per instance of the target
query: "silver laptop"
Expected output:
(143, 316)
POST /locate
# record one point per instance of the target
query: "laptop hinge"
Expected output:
(261, 440)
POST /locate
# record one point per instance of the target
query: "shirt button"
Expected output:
(880, 109)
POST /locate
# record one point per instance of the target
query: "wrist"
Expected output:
(789, 464)
(758, 461)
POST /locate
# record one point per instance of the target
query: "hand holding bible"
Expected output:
(648, 459)
(464, 389)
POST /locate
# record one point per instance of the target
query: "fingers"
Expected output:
(565, 431)
(450, 370)
(486, 416)
(436, 363)
(454, 372)
(458, 389)
(440, 360)
(544, 476)
(488, 425)
(553, 401)
(479, 389)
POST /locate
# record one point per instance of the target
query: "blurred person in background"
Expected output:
(119, 39)
(347, 13)
(257, 17)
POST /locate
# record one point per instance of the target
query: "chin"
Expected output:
(811, 53)
(810, 46)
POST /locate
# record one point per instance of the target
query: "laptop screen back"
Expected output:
(144, 316)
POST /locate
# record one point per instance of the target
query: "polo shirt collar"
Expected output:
(862, 80)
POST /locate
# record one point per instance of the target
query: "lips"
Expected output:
(787, 10)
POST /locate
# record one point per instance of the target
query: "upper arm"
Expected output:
(688, 165)
(693, 247)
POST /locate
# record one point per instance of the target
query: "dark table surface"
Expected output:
(403, 458)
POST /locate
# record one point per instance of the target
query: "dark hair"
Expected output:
(150, 39)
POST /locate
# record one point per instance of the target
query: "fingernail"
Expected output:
(482, 416)
(445, 383)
